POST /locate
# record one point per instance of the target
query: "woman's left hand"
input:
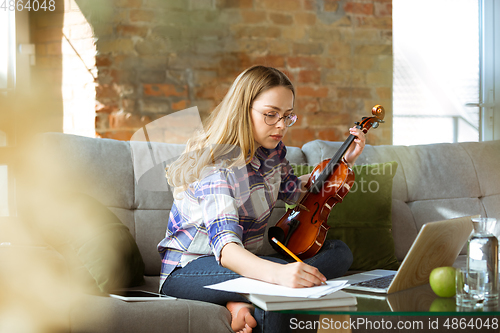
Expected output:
(355, 149)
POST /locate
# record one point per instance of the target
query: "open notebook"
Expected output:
(271, 297)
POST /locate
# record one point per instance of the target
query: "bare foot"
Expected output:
(242, 320)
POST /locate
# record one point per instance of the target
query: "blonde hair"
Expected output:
(227, 134)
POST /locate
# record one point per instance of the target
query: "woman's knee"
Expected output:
(340, 255)
(344, 253)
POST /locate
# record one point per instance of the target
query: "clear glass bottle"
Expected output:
(482, 261)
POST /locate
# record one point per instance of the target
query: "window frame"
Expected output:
(490, 70)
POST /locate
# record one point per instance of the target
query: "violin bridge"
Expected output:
(301, 206)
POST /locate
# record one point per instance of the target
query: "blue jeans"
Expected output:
(333, 260)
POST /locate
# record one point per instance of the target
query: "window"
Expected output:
(440, 68)
(7, 82)
(7, 59)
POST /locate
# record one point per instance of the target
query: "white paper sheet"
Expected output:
(250, 286)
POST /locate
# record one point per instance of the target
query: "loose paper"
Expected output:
(245, 285)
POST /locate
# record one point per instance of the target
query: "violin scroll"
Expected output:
(379, 112)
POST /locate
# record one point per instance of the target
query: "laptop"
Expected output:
(437, 244)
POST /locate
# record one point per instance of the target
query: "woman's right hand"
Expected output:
(299, 275)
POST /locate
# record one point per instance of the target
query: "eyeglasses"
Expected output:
(273, 117)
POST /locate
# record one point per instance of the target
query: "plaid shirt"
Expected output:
(227, 205)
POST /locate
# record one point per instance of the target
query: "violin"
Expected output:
(303, 229)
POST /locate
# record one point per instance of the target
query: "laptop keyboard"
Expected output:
(380, 283)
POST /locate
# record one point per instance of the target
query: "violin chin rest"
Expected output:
(277, 233)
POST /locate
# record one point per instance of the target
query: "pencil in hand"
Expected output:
(289, 252)
(286, 249)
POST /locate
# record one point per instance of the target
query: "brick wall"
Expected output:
(156, 57)
(41, 104)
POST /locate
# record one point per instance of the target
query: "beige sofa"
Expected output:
(432, 182)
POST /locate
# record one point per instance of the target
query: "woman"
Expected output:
(226, 184)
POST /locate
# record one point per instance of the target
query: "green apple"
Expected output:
(442, 281)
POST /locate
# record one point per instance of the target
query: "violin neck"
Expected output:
(330, 167)
(342, 150)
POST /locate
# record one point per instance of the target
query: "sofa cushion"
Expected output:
(94, 314)
(363, 219)
(100, 251)
(100, 167)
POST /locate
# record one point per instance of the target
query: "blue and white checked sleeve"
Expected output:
(219, 202)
